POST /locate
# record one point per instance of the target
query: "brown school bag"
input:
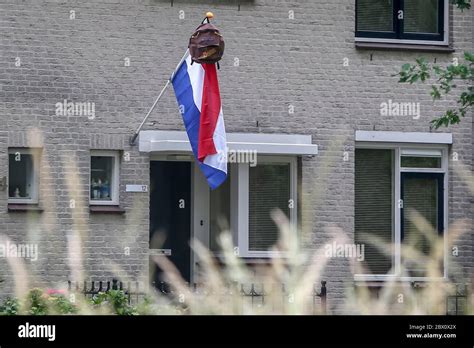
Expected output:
(206, 45)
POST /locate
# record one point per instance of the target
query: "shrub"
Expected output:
(10, 306)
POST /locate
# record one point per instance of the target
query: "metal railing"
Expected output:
(253, 295)
(457, 303)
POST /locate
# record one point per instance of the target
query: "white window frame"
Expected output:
(35, 182)
(445, 42)
(115, 187)
(421, 150)
(240, 205)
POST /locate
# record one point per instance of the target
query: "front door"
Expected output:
(170, 216)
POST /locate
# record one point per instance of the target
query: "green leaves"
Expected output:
(413, 73)
(446, 78)
(10, 306)
(115, 300)
(462, 4)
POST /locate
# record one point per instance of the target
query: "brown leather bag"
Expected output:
(206, 45)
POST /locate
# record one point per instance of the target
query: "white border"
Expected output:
(404, 137)
(270, 144)
(243, 217)
(444, 169)
(35, 153)
(445, 42)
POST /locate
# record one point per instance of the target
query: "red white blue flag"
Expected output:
(197, 91)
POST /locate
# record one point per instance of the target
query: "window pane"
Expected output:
(421, 162)
(219, 213)
(421, 16)
(373, 206)
(375, 15)
(420, 195)
(269, 188)
(102, 177)
(21, 176)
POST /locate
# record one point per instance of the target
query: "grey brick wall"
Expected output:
(281, 62)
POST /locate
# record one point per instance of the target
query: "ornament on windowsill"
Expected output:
(95, 189)
(16, 194)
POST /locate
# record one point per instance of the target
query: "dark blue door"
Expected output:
(170, 215)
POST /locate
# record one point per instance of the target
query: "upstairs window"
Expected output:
(418, 20)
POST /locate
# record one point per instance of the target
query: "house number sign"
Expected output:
(136, 188)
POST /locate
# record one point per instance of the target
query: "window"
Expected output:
(269, 189)
(374, 206)
(23, 175)
(394, 187)
(104, 178)
(407, 20)
(246, 201)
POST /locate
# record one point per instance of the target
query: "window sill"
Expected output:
(403, 47)
(24, 207)
(106, 209)
(249, 261)
(382, 283)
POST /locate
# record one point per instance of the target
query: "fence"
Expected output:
(254, 294)
(456, 304)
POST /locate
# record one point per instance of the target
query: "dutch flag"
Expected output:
(197, 91)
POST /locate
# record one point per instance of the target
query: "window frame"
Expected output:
(420, 149)
(115, 189)
(239, 207)
(399, 36)
(35, 153)
(243, 213)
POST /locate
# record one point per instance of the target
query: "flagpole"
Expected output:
(135, 135)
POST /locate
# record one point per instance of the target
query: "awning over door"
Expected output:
(276, 144)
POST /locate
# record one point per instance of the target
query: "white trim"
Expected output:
(243, 235)
(242, 222)
(115, 185)
(397, 238)
(404, 137)
(399, 149)
(421, 153)
(445, 42)
(375, 278)
(277, 144)
(199, 193)
(445, 166)
(35, 155)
